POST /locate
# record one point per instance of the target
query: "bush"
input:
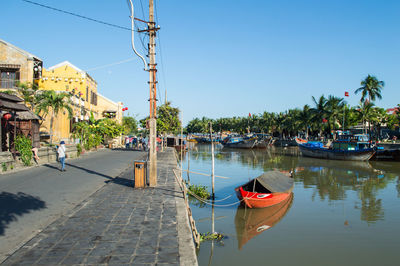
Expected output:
(79, 149)
(24, 146)
(200, 191)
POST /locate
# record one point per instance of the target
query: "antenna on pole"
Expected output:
(132, 37)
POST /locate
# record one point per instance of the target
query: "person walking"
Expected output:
(61, 155)
(127, 141)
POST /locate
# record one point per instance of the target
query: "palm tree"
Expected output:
(335, 108)
(319, 112)
(304, 118)
(56, 102)
(370, 87)
(364, 111)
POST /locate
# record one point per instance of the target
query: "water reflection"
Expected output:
(252, 222)
(341, 209)
(331, 180)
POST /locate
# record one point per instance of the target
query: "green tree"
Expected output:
(55, 102)
(364, 112)
(334, 107)
(371, 87)
(129, 125)
(28, 92)
(304, 119)
(167, 119)
(319, 112)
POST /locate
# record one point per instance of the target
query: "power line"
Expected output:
(77, 15)
(161, 57)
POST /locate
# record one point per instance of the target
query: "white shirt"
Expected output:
(61, 151)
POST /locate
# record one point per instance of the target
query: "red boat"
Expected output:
(250, 223)
(266, 190)
(301, 141)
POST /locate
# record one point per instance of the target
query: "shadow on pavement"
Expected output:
(14, 205)
(80, 168)
(129, 149)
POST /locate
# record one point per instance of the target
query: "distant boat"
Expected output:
(178, 143)
(266, 190)
(300, 141)
(239, 142)
(263, 141)
(252, 222)
(346, 147)
(387, 152)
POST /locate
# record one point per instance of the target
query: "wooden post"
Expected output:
(152, 83)
(15, 132)
(181, 145)
(212, 163)
(1, 134)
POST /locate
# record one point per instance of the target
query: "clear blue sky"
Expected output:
(221, 58)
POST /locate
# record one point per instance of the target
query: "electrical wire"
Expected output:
(132, 37)
(161, 55)
(111, 64)
(79, 16)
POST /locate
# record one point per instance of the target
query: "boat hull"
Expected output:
(261, 200)
(246, 144)
(330, 154)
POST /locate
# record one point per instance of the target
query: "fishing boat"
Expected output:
(252, 222)
(300, 141)
(239, 142)
(387, 152)
(262, 141)
(346, 147)
(266, 190)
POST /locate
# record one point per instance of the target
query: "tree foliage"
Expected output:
(129, 125)
(51, 101)
(94, 132)
(167, 119)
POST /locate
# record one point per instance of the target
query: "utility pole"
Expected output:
(153, 104)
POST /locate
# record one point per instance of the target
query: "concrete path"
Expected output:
(32, 199)
(119, 225)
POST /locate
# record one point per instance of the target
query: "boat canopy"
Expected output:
(275, 181)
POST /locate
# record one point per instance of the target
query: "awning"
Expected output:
(275, 181)
(10, 106)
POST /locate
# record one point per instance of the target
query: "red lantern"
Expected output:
(7, 116)
(346, 93)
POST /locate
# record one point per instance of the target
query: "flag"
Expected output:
(346, 93)
(249, 115)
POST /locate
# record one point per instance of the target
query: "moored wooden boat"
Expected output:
(347, 147)
(300, 141)
(268, 189)
(252, 222)
(387, 152)
(239, 142)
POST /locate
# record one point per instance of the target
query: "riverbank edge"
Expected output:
(185, 238)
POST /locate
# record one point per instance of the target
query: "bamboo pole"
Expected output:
(212, 163)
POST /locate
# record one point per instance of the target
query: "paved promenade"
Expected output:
(119, 225)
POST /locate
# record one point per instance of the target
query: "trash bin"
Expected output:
(140, 174)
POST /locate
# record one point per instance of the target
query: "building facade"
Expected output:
(17, 65)
(66, 77)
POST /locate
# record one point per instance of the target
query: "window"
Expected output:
(8, 78)
(87, 93)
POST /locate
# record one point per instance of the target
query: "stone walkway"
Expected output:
(119, 225)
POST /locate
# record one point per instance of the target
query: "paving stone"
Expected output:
(144, 259)
(117, 225)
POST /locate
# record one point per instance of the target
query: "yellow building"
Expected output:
(65, 77)
(17, 65)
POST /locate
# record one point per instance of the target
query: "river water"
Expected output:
(341, 212)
